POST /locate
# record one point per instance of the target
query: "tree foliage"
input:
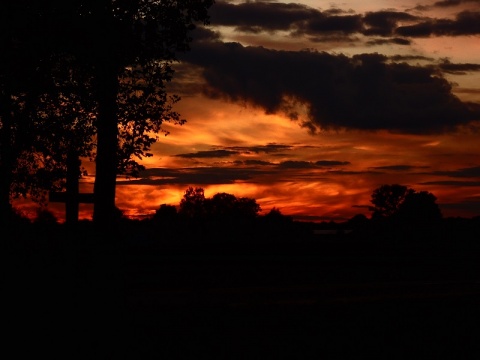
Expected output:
(222, 206)
(386, 199)
(144, 106)
(192, 204)
(405, 205)
(420, 208)
(43, 112)
(115, 39)
(228, 206)
(120, 52)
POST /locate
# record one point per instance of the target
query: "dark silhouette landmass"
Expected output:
(230, 286)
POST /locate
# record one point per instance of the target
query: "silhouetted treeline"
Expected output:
(400, 216)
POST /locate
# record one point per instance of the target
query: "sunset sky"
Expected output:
(308, 106)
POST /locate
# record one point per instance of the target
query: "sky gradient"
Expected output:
(308, 106)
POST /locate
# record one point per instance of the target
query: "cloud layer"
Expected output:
(367, 91)
(299, 19)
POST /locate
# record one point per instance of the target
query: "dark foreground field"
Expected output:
(78, 296)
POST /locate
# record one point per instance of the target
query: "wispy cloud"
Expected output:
(208, 154)
(399, 167)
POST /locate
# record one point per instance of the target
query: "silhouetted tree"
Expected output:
(275, 217)
(18, 59)
(192, 204)
(165, 214)
(358, 222)
(405, 212)
(43, 121)
(228, 206)
(420, 209)
(143, 107)
(387, 199)
(221, 210)
(66, 112)
(248, 207)
(222, 204)
(111, 37)
(113, 41)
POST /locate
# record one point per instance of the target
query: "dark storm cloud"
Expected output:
(331, 163)
(383, 23)
(252, 162)
(343, 172)
(200, 176)
(399, 167)
(396, 41)
(461, 173)
(362, 206)
(458, 69)
(465, 23)
(257, 16)
(470, 204)
(294, 164)
(291, 164)
(201, 33)
(303, 20)
(347, 24)
(398, 58)
(448, 3)
(257, 149)
(453, 183)
(300, 19)
(208, 154)
(360, 92)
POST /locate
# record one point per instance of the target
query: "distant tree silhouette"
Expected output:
(358, 222)
(420, 209)
(276, 217)
(192, 204)
(228, 206)
(221, 208)
(387, 200)
(405, 211)
(222, 204)
(165, 213)
(248, 207)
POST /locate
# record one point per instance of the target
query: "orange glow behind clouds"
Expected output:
(329, 192)
(361, 161)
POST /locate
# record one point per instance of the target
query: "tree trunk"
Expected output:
(72, 196)
(107, 142)
(6, 158)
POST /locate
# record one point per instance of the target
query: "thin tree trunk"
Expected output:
(107, 142)
(72, 198)
(6, 158)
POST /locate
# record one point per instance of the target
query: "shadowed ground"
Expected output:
(136, 298)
